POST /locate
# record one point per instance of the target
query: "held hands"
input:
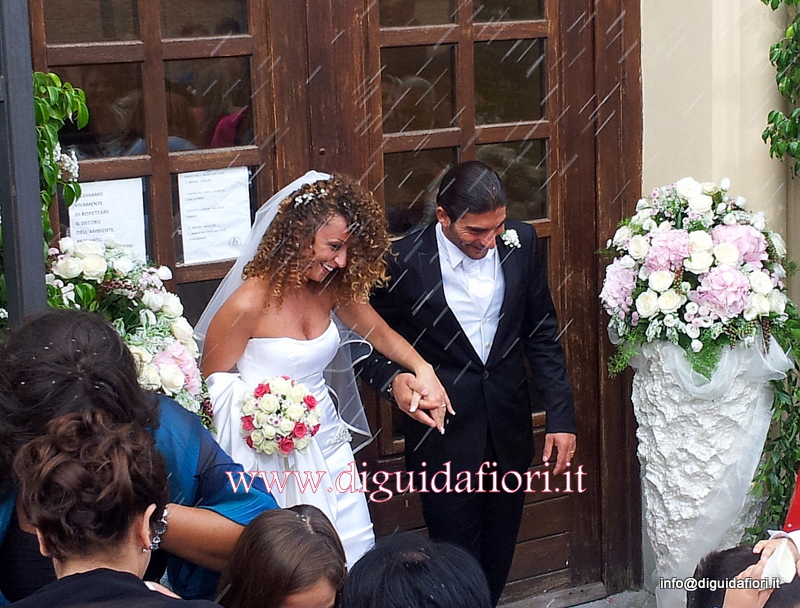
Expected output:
(565, 444)
(767, 547)
(422, 397)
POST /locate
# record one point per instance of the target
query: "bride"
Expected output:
(316, 248)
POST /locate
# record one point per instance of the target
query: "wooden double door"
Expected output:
(393, 92)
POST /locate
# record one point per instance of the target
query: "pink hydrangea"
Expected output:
(667, 250)
(177, 354)
(724, 291)
(617, 287)
(750, 242)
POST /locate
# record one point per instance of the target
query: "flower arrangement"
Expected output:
(107, 278)
(697, 269)
(278, 416)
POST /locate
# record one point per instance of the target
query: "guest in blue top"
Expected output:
(66, 361)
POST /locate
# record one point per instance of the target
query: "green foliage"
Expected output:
(783, 130)
(777, 475)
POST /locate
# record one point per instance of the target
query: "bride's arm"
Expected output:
(364, 320)
(230, 329)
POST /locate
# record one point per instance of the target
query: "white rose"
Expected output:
(261, 419)
(670, 321)
(280, 385)
(295, 412)
(286, 425)
(660, 280)
(699, 262)
(627, 261)
(777, 302)
(701, 203)
(87, 248)
(638, 247)
(123, 265)
(649, 225)
(68, 268)
(164, 273)
(154, 300)
(149, 377)
(191, 347)
(647, 304)
(66, 245)
(725, 184)
(248, 406)
(296, 393)
(181, 329)
(269, 403)
(312, 419)
(779, 271)
(269, 431)
(697, 346)
(141, 354)
(664, 226)
(709, 187)
(641, 215)
(172, 306)
(760, 282)
(759, 221)
(257, 437)
(172, 378)
(94, 267)
(301, 443)
(643, 273)
(700, 240)
(621, 236)
(778, 243)
(757, 306)
(692, 331)
(111, 243)
(740, 202)
(269, 448)
(688, 188)
(670, 301)
(729, 219)
(726, 253)
(642, 203)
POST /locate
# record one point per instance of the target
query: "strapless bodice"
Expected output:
(303, 361)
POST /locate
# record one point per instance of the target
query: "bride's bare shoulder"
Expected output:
(251, 296)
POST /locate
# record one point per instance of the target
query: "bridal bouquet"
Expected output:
(694, 267)
(278, 416)
(107, 278)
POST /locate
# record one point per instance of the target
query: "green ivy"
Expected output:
(54, 103)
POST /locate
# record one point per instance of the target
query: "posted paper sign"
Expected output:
(215, 213)
(110, 209)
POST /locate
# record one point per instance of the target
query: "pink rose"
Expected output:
(300, 430)
(310, 401)
(247, 423)
(286, 445)
(261, 390)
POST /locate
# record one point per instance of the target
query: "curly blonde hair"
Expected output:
(286, 248)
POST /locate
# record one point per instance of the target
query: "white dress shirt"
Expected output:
(474, 291)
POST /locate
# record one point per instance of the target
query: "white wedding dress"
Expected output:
(328, 458)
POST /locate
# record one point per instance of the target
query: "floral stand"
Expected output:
(700, 442)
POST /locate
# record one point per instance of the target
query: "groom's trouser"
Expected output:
(485, 524)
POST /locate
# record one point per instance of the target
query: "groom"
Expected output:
(470, 293)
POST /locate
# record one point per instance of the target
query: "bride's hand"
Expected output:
(436, 396)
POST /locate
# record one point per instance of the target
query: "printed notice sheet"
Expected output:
(215, 213)
(110, 209)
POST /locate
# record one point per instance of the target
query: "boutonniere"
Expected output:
(510, 238)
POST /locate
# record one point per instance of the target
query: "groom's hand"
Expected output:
(410, 395)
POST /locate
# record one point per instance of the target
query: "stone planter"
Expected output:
(700, 442)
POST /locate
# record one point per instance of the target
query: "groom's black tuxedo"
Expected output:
(491, 400)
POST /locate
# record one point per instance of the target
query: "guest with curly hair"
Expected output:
(68, 361)
(316, 248)
(96, 492)
(288, 557)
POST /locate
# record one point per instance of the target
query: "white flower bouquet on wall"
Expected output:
(106, 277)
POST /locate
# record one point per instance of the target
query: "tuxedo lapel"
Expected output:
(426, 252)
(511, 266)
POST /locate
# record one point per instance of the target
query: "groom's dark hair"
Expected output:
(471, 187)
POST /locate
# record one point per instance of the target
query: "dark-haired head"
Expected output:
(726, 565)
(61, 362)
(92, 487)
(471, 187)
(410, 571)
(283, 553)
